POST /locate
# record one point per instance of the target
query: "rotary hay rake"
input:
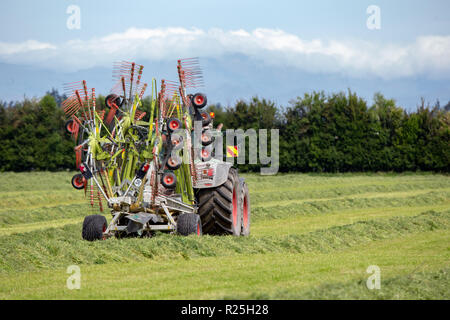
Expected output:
(143, 164)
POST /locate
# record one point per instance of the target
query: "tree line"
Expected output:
(340, 133)
(319, 132)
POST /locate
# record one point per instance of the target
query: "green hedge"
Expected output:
(340, 133)
(318, 133)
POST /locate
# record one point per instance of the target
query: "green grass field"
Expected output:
(312, 237)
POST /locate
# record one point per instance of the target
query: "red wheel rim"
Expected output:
(205, 138)
(245, 213)
(199, 100)
(111, 101)
(205, 153)
(174, 125)
(168, 180)
(71, 126)
(198, 229)
(172, 162)
(235, 207)
(78, 181)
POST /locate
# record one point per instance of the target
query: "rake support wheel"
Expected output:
(189, 223)
(169, 180)
(69, 125)
(206, 118)
(199, 100)
(219, 207)
(93, 227)
(112, 98)
(78, 181)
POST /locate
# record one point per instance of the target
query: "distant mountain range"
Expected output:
(228, 78)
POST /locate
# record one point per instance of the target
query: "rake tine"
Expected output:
(142, 91)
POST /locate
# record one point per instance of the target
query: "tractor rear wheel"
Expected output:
(245, 207)
(219, 207)
(189, 223)
(93, 227)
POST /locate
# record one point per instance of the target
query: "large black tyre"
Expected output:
(189, 223)
(93, 227)
(244, 202)
(219, 207)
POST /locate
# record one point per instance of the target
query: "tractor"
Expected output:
(154, 173)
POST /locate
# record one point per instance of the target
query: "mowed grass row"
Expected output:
(47, 215)
(350, 192)
(412, 266)
(317, 184)
(424, 200)
(294, 216)
(63, 202)
(34, 198)
(59, 247)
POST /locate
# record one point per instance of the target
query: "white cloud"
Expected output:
(8, 49)
(427, 56)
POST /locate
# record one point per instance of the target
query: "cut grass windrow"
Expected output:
(320, 182)
(28, 227)
(45, 213)
(304, 223)
(270, 274)
(313, 236)
(322, 206)
(419, 285)
(353, 191)
(27, 202)
(36, 181)
(60, 247)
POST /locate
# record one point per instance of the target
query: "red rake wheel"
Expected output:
(173, 124)
(78, 181)
(169, 180)
(112, 98)
(174, 162)
(206, 118)
(206, 138)
(199, 100)
(177, 141)
(206, 154)
(70, 126)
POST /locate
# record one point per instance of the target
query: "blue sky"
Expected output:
(325, 41)
(402, 20)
